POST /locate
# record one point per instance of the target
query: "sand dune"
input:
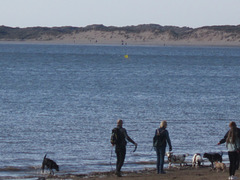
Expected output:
(130, 35)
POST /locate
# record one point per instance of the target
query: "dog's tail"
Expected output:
(45, 156)
(43, 163)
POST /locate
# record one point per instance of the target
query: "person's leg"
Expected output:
(235, 159)
(120, 159)
(232, 163)
(158, 160)
(162, 154)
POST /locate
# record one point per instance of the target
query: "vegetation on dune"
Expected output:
(173, 32)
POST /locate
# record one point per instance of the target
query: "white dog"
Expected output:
(179, 159)
(197, 160)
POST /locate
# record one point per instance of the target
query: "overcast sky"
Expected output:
(80, 13)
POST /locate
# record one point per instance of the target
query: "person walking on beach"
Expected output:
(232, 139)
(120, 145)
(160, 140)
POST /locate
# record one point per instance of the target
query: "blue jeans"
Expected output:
(160, 159)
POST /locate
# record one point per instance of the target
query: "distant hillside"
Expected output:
(141, 34)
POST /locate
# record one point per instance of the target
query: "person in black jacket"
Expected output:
(120, 148)
(160, 141)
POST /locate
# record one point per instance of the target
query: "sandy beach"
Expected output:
(149, 34)
(184, 173)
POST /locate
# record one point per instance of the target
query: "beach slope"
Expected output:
(145, 34)
(184, 173)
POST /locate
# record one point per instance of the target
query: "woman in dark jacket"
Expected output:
(160, 141)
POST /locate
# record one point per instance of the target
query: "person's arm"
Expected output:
(128, 138)
(238, 132)
(224, 139)
(154, 137)
(168, 141)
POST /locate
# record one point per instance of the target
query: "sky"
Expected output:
(80, 13)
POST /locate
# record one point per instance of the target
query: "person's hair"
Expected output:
(232, 133)
(163, 124)
(119, 122)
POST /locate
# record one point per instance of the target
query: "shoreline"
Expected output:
(131, 43)
(178, 173)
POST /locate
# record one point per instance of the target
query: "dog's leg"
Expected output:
(43, 166)
(51, 172)
(169, 165)
(212, 166)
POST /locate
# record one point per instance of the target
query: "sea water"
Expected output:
(64, 100)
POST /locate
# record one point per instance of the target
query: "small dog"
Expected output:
(212, 157)
(197, 160)
(180, 158)
(220, 166)
(50, 165)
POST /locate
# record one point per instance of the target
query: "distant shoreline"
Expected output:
(142, 35)
(118, 44)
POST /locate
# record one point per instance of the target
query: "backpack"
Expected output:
(159, 138)
(115, 137)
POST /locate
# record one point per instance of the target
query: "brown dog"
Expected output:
(220, 166)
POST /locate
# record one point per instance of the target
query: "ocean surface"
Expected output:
(64, 100)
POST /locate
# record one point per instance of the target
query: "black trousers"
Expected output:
(120, 152)
(233, 158)
(238, 160)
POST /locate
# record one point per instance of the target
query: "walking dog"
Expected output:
(220, 166)
(213, 157)
(50, 164)
(179, 159)
(197, 160)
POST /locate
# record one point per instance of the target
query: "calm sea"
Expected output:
(65, 99)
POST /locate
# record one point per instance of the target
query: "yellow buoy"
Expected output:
(126, 56)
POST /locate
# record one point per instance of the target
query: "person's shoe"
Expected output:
(118, 174)
(163, 172)
(230, 178)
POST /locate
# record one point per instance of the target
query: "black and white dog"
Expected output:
(50, 164)
(180, 158)
(197, 160)
(213, 157)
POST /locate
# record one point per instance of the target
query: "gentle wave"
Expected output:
(64, 100)
(14, 168)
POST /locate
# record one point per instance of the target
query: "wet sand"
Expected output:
(183, 173)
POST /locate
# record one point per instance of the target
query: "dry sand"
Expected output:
(200, 38)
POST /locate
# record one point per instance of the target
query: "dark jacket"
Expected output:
(166, 137)
(124, 137)
(226, 135)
